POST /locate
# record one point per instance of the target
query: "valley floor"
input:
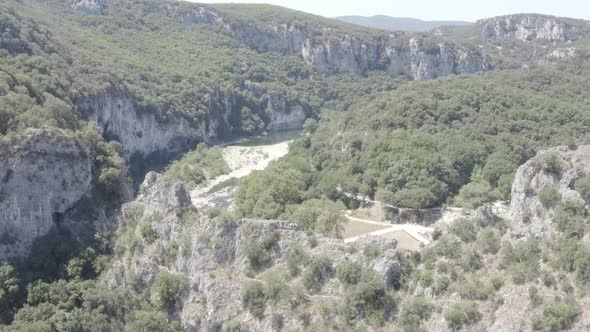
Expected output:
(242, 160)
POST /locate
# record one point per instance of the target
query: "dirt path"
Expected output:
(242, 160)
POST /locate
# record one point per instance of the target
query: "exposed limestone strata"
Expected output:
(528, 28)
(529, 214)
(42, 173)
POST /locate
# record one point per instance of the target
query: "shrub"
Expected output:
(461, 314)
(277, 321)
(310, 126)
(497, 280)
(367, 300)
(582, 264)
(9, 291)
(148, 232)
(151, 321)
(550, 163)
(295, 257)
(349, 273)
(372, 251)
(297, 296)
(474, 289)
(582, 186)
(110, 180)
(557, 315)
(254, 298)
(570, 219)
(316, 273)
(521, 260)
(320, 215)
(436, 234)
(234, 325)
(549, 196)
(488, 240)
(426, 278)
(197, 166)
(465, 229)
(275, 287)
(534, 296)
(258, 251)
(470, 259)
(413, 312)
(448, 246)
(168, 289)
(475, 194)
(441, 284)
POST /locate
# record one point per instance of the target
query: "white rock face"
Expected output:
(528, 214)
(350, 56)
(284, 116)
(421, 64)
(94, 7)
(559, 54)
(526, 28)
(42, 172)
(141, 132)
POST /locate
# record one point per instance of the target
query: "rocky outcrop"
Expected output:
(212, 255)
(560, 54)
(142, 132)
(527, 28)
(93, 7)
(43, 174)
(422, 63)
(553, 169)
(346, 55)
(350, 55)
(283, 114)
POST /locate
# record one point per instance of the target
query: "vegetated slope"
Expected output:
(174, 269)
(424, 143)
(398, 23)
(522, 40)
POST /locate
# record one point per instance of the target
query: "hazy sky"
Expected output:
(466, 10)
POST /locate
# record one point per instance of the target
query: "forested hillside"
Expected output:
(424, 143)
(96, 94)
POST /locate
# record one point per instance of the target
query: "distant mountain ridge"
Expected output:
(398, 23)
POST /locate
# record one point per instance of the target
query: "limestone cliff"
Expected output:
(554, 169)
(116, 112)
(93, 7)
(528, 28)
(344, 53)
(142, 132)
(283, 115)
(422, 63)
(212, 256)
(43, 173)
